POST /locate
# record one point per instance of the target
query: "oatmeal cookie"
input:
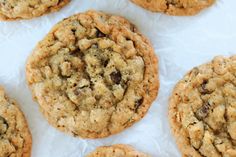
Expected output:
(175, 7)
(202, 110)
(15, 137)
(118, 150)
(93, 75)
(27, 9)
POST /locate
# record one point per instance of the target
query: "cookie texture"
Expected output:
(15, 137)
(27, 9)
(118, 150)
(175, 7)
(202, 110)
(93, 75)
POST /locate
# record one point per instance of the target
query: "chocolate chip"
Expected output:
(202, 89)
(105, 62)
(138, 103)
(100, 34)
(73, 30)
(217, 132)
(203, 111)
(116, 77)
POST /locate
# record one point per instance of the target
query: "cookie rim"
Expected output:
(176, 128)
(154, 89)
(125, 147)
(179, 11)
(27, 149)
(53, 9)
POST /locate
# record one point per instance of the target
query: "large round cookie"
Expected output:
(202, 110)
(118, 150)
(175, 7)
(93, 75)
(15, 137)
(27, 9)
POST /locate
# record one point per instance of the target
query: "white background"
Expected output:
(180, 42)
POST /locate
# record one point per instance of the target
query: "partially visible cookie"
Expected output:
(93, 75)
(202, 110)
(27, 9)
(118, 150)
(175, 7)
(15, 137)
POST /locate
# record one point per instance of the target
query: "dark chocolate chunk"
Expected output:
(116, 77)
(105, 62)
(202, 89)
(203, 111)
(73, 31)
(138, 103)
(100, 34)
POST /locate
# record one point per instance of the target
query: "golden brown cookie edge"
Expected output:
(126, 148)
(154, 70)
(173, 11)
(176, 130)
(51, 10)
(28, 139)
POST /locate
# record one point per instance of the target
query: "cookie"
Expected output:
(118, 150)
(202, 110)
(175, 7)
(93, 75)
(15, 137)
(27, 9)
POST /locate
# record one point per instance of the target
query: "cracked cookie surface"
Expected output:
(175, 7)
(202, 110)
(27, 9)
(15, 137)
(93, 75)
(118, 150)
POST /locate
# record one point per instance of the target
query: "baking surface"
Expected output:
(180, 42)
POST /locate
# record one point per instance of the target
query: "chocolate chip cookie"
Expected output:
(27, 9)
(175, 7)
(15, 137)
(93, 75)
(202, 110)
(118, 150)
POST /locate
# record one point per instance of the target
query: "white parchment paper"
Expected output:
(180, 42)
